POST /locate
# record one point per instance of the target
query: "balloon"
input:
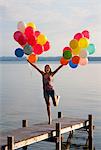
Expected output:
(37, 33)
(19, 52)
(22, 40)
(63, 61)
(32, 58)
(29, 31)
(41, 39)
(31, 40)
(73, 44)
(83, 61)
(37, 49)
(67, 54)
(78, 36)
(85, 33)
(76, 51)
(46, 46)
(16, 35)
(75, 59)
(72, 65)
(67, 48)
(83, 54)
(91, 48)
(21, 26)
(27, 49)
(31, 24)
(83, 43)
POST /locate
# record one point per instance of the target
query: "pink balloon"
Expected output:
(78, 36)
(86, 34)
(46, 46)
(16, 35)
(37, 49)
(83, 61)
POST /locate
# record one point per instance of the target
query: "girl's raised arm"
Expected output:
(55, 71)
(36, 68)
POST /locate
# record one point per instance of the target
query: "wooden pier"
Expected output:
(22, 137)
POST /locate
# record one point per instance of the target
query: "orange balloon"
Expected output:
(63, 61)
(32, 58)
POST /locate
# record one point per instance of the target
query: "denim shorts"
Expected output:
(48, 94)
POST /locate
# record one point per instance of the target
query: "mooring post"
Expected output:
(59, 114)
(90, 132)
(24, 124)
(58, 136)
(10, 142)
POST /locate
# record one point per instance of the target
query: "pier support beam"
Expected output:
(24, 124)
(10, 142)
(90, 132)
(58, 136)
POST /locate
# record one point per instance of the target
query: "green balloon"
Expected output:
(27, 49)
(67, 54)
(91, 49)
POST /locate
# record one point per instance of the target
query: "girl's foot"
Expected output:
(57, 98)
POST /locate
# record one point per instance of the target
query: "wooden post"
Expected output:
(24, 124)
(10, 142)
(90, 132)
(58, 136)
(59, 114)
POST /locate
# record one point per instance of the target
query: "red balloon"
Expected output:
(78, 36)
(29, 31)
(37, 49)
(46, 46)
(16, 35)
(75, 59)
(86, 34)
(31, 40)
(37, 33)
(22, 40)
(67, 48)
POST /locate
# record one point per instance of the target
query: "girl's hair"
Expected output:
(49, 67)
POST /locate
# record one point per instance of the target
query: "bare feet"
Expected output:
(57, 98)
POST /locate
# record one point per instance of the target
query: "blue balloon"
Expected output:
(19, 52)
(72, 65)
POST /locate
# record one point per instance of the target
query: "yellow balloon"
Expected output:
(31, 24)
(76, 51)
(73, 44)
(41, 39)
(83, 43)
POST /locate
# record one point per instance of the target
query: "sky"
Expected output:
(59, 20)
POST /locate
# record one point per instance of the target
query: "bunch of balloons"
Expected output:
(32, 41)
(78, 50)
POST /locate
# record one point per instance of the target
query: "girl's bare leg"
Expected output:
(49, 114)
(48, 109)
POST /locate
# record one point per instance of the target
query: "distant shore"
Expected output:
(11, 58)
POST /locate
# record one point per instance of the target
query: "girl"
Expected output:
(48, 90)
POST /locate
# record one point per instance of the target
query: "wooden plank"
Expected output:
(38, 132)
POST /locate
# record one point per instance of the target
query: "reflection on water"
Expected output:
(22, 96)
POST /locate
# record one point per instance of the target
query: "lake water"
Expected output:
(21, 96)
